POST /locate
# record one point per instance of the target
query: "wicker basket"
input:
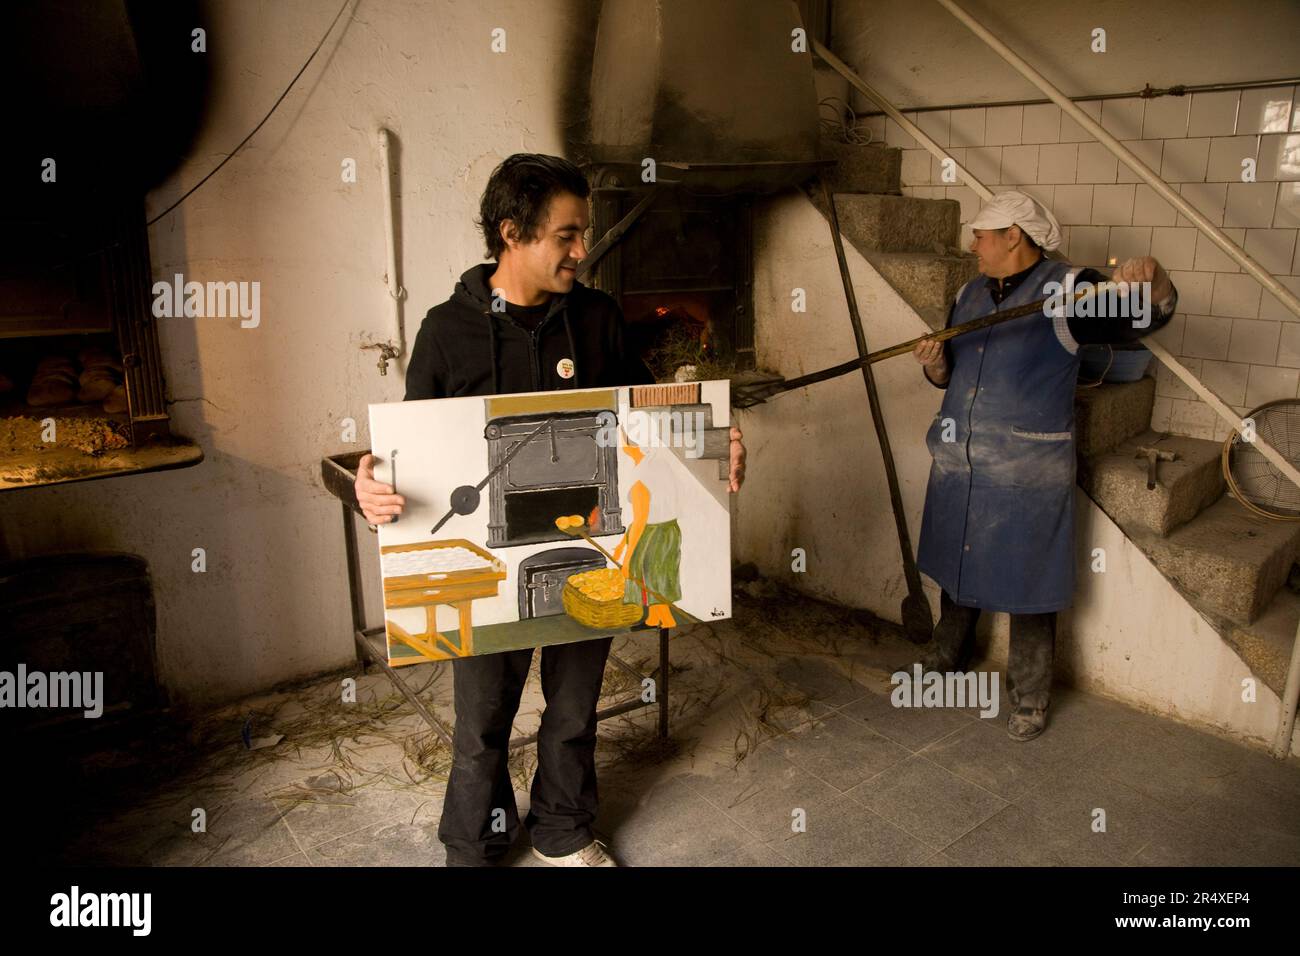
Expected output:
(602, 614)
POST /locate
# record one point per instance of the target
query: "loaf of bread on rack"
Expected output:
(116, 401)
(53, 383)
(100, 374)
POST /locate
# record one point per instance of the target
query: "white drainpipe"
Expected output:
(395, 348)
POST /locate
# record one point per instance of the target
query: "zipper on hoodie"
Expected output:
(534, 359)
(534, 352)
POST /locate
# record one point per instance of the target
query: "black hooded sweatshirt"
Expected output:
(464, 348)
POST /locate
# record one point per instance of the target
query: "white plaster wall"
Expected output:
(266, 403)
(1131, 636)
(816, 480)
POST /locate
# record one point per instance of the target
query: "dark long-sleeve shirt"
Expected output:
(1084, 330)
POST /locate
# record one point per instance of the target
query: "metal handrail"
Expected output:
(1291, 693)
(1147, 93)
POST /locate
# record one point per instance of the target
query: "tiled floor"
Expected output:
(786, 751)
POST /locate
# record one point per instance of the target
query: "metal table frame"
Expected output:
(339, 473)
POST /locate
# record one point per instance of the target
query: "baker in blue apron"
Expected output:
(998, 528)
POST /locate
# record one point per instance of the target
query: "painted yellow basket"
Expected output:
(601, 614)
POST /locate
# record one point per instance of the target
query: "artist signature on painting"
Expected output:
(716, 613)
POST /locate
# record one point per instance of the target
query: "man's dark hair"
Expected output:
(520, 189)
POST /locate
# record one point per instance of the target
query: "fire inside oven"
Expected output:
(564, 469)
(683, 277)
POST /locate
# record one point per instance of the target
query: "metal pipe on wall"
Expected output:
(1290, 697)
(395, 290)
(1180, 89)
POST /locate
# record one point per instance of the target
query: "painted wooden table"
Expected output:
(457, 588)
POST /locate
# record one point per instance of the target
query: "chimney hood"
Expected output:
(711, 91)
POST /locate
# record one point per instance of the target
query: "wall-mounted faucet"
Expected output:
(387, 352)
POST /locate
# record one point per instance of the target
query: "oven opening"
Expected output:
(81, 386)
(675, 331)
(530, 515)
(684, 279)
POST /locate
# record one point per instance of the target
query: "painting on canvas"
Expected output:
(551, 517)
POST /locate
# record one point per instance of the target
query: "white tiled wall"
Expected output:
(1237, 337)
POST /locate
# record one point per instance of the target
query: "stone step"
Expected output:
(1117, 481)
(1265, 646)
(862, 169)
(898, 223)
(1227, 561)
(1106, 415)
(927, 282)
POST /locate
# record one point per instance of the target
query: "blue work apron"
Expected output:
(998, 528)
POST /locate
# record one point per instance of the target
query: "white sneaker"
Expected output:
(593, 854)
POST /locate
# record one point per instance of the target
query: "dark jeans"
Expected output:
(1029, 658)
(563, 798)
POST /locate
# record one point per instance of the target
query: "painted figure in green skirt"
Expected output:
(653, 541)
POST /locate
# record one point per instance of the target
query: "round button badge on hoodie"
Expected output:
(564, 368)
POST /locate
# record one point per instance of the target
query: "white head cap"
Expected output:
(1013, 208)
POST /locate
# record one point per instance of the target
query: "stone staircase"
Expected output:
(1232, 566)
(911, 242)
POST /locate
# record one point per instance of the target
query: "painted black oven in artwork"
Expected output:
(562, 470)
